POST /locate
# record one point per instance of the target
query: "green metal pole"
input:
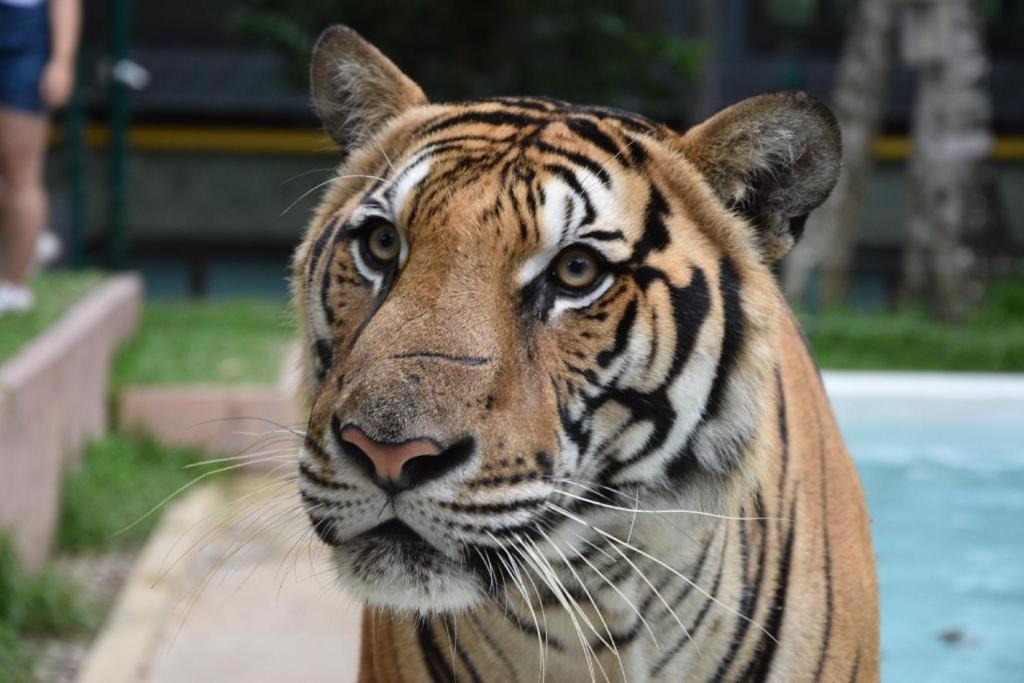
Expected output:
(120, 117)
(74, 140)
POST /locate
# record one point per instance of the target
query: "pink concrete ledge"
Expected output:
(53, 399)
(226, 420)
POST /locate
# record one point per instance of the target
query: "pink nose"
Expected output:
(388, 459)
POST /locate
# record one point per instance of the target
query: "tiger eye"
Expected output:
(384, 243)
(577, 268)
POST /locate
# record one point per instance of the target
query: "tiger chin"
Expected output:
(562, 423)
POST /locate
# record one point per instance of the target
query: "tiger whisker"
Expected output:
(513, 570)
(668, 567)
(572, 608)
(615, 588)
(543, 570)
(277, 452)
(326, 182)
(281, 482)
(610, 643)
(657, 593)
(643, 511)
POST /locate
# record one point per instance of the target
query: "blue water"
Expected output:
(945, 491)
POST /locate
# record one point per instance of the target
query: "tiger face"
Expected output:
(518, 311)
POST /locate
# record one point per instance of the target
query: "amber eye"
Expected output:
(383, 243)
(577, 268)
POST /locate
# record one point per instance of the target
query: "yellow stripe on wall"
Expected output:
(254, 140)
(212, 139)
(897, 148)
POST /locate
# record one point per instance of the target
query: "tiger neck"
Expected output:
(642, 626)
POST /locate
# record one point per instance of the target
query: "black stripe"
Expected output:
(534, 630)
(656, 236)
(734, 321)
(783, 441)
(569, 178)
(501, 117)
(827, 634)
(316, 449)
(621, 339)
(492, 508)
(592, 133)
(604, 235)
(320, 245)
(687, 637)
(312, 476)
(474, 675)
(436, 663)
(761, 664)
(856, 667)
(579, 160)
(498, 652)
(748, 605)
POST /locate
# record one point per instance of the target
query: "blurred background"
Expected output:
(189, 154)
(212, 102)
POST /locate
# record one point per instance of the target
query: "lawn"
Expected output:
(214, 340)
(55, 292)
(107, 502)
(991, 340)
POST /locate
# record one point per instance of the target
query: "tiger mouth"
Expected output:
(394, 531)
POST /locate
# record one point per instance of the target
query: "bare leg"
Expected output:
(23, 203)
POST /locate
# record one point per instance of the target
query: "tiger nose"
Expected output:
(391, 463)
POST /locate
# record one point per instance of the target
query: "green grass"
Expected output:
(120, 480)
(55, 292)
(221, 340)
(45, 605)
(991, 340)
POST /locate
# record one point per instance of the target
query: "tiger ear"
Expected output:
(356, 89)
(771, 158)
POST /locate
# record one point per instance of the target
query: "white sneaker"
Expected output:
(15, 299)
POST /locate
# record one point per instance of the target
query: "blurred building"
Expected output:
(222, 145)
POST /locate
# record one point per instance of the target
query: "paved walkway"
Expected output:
(230, 589)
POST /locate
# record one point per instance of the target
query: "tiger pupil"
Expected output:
(383, 243)
(578, 266)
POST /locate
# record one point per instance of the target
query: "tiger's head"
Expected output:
(520, 315)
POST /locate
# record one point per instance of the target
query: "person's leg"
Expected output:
(23, 198)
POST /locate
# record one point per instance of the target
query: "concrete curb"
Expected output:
(53, 399)
(958, 386)
(224, 419)
(133, 632)
(225, 591)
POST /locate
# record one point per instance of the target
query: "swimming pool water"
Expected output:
(945, 487)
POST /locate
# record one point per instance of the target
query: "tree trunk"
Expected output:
(859, 100)
(951, 210)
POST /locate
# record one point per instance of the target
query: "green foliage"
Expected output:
(222, 340)
(120, 481)
(55, 292)
(612, 52)
(991, 340)
(48, 604)
(16, 663)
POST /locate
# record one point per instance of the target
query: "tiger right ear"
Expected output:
(771, 158)
(356, 89)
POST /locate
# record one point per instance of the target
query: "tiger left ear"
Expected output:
(356, 89)
(771, 158)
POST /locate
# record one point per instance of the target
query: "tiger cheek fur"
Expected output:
(562, 423)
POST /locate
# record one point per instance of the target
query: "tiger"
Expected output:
(562, 423)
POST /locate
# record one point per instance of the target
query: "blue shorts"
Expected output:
(24, 51)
